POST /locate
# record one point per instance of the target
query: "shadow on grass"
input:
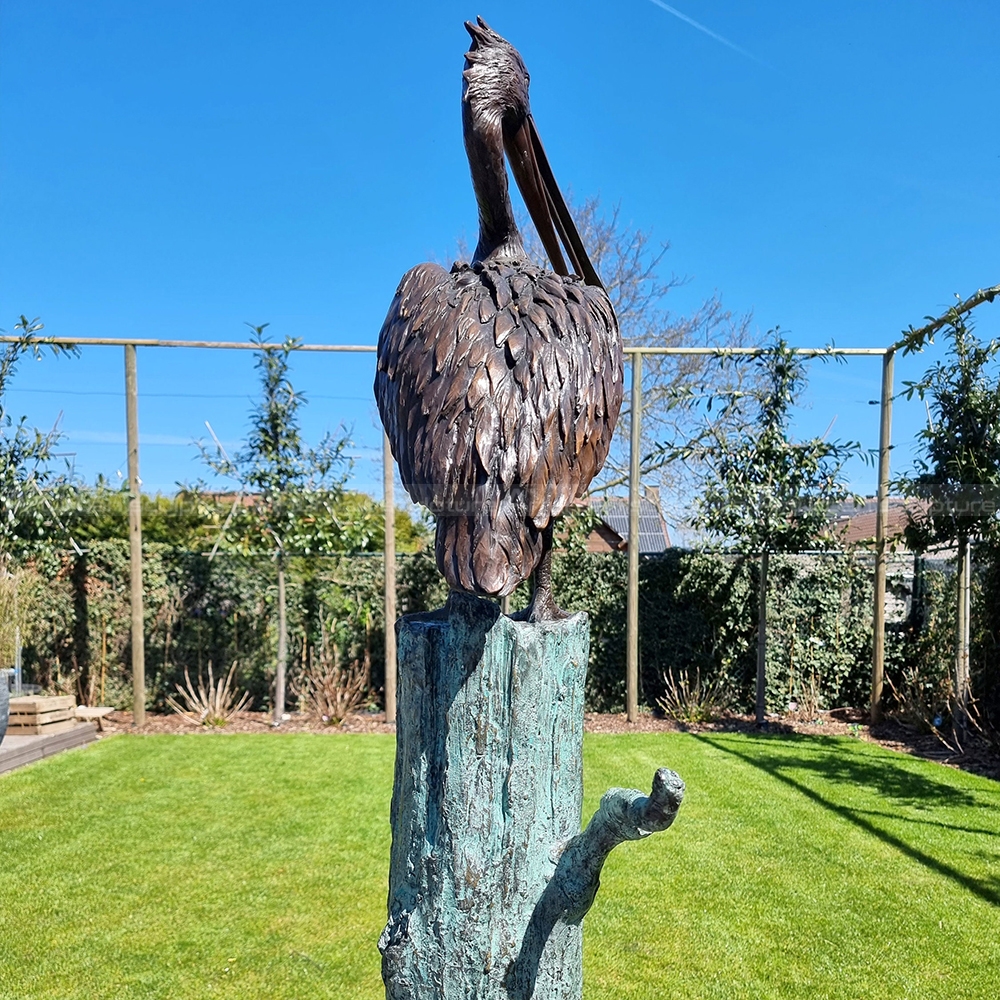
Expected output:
(886, 779)
(928, 822)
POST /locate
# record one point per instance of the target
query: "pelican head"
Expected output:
(495, 81)
(495, 106)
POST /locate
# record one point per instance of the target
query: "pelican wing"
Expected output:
(421, 387)
(567, 363)
(499, 387)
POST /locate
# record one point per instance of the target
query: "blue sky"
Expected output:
(175, 169)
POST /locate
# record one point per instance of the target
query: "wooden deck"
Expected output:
(16, 751)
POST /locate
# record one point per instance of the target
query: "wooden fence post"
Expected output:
(881, 517)
(135, 539)
(963, 693)
(632, 620)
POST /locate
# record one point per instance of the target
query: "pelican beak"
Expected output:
(545, 202)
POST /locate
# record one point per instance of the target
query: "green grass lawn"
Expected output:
(255, 866)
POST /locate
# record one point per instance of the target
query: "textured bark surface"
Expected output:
(490, 876)
(488, 788)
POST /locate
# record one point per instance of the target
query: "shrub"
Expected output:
(686, 698)
(697, 616)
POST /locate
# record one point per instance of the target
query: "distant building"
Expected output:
(855, 525)
(611, 532)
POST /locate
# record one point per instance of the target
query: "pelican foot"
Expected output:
(542, 608)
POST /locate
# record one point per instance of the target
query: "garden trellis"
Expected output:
(636, 356)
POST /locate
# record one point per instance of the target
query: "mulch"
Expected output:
(248, 722)
(975, 755)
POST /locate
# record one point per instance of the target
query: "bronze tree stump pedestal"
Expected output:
(490, 875)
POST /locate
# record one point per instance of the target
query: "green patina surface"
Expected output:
(490, 875)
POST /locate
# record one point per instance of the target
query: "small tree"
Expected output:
(959, 470)
(282, 484)
(26, 514)
(762, 492)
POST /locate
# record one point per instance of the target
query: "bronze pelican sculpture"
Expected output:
(499, 383)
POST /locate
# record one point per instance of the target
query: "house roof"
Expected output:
(653, 536)
(853, 524)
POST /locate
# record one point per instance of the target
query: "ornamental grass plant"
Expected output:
(214, 704)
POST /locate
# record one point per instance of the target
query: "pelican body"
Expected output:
(499, 383)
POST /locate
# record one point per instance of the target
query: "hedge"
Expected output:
(697, 614)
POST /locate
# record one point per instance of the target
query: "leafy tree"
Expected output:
(282, 484)
(958, 472)
(360, 521)
(26, 515)
(346, 521)
(762, 492)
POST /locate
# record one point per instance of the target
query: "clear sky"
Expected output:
(173, 169)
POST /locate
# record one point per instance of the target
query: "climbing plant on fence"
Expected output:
(199, 611)
(697, 612)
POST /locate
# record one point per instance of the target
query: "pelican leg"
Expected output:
(543, 607)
